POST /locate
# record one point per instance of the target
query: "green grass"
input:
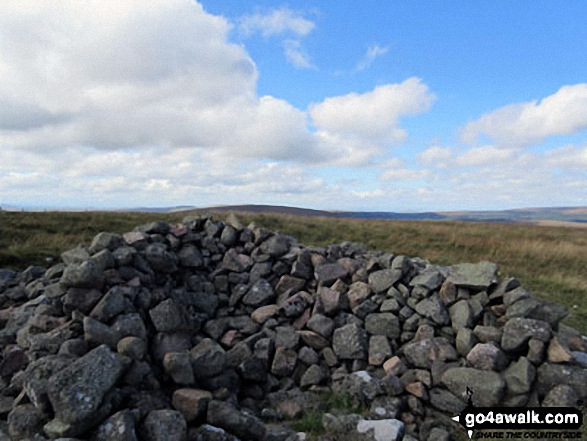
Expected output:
(311, 421)
(549, 261)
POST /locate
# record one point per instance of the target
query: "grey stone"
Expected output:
(461, 315)
(160, 258)
(518, 331)
(487, 356)
(446, 401)
(24, 422)
(314, 375)
(551, 375)
(223, 415)
(384, 323)
(75, 255)
(130, 325)
(560, 396)
(84, 275)
(519, 376)
(522, 308)
(208, 358)
(275, 246)
(487, 387)
(474, 276)
(113, 303)
(284, 362)
(308, 356)
(515, 295)
(77, 391)
(178, 365)
(260, 294)
(321, 324)
(105, 241)
(96, 332)
(487, 334)
(550, 313)
(465, 341)
(81, 299)
(422, 353)
(190, 257)
(328, 273)
(168, 317)
(379, 350)
(382, 280)
(164, 425)
(119, 427)
(433, 309)
(430, 279)
(133, 347)
(350, 342)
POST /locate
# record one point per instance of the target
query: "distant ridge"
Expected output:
(568, 215)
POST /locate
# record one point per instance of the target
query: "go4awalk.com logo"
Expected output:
(535, 422)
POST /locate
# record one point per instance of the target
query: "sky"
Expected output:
(371, 106)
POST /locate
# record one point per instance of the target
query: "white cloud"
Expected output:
(287, 24)
(404, 174)
(276, 22)
(525, 124)
(296, 55)
(365, 124)
(372, 53)
(436, 156)
(484, 155)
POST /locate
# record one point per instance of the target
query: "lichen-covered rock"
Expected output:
(350, 342)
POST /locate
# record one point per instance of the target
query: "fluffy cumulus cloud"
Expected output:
(361, 126)
(524, 124)
(120, 103)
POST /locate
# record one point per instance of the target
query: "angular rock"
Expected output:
(192, 403)
(164, 425)
(328, 273)
(487, 387)
(382, 280)
(518, 331)
(461, 315)
(432, 308)
(208, 359)
(551, 375)
(350, 342)
(384, 323)
(473, 275)
(178, 365)
(84, 275)
(260, 294)
(119, 427)
(321, 324)
(168, 317)
(77, 391)
(488, 357)
(388, 430)
(245, 426)
(519, 376)
(379, 350)
(561, 396)
(284, 362)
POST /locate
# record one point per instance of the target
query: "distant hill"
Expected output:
(568, 215)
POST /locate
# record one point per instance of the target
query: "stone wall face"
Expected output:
(209, 330)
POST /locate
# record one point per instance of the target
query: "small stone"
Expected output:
(383, 430)
(264, 313)
(208, 358)
(132, 347)
(284, 362)
(164, 425)
(558, 352)
(382, 280)
(350, 342)
(560, 396)
(487, 387)
(119, 427)
(260, 294)
(518, 331)
(432, 308)
(178, 365)
(385, 324)
(474, 276)
(192, 403)
(519, 376)
(486, 356)
(321, 324)
(379, 350)
(314, 375)
(394, 366)
(328, 273)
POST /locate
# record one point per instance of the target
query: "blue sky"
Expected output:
(387, 106)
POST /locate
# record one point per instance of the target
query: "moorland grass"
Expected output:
(551, 262)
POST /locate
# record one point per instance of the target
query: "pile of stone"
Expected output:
(212, 331)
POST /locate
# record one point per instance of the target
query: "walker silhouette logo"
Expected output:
(516, 418)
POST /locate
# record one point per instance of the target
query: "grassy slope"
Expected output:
(549, 261)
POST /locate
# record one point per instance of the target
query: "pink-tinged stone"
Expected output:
(417, 389)
(394, 366)
(192, 403)
(301, 321)
(230, 338)
(264, 313)
(558, 353)
(179, 230)
(314, 340)
(289, 408)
